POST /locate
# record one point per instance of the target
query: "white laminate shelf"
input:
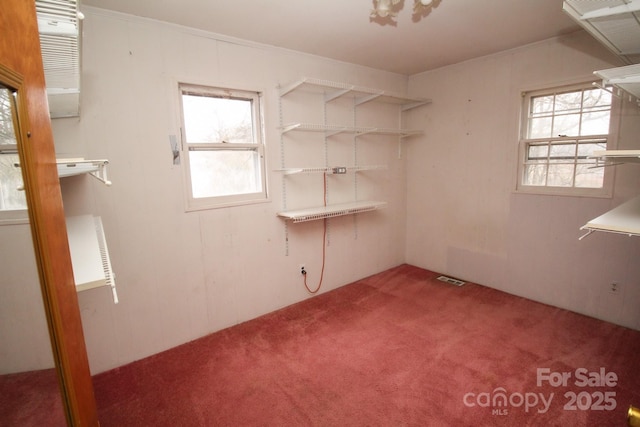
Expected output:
(616, 156)
(89, 254)
(334, 90)
(73, 167)
(625, 219)
(81, 166)
(331, 211)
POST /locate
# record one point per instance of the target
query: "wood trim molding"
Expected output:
(21, 69)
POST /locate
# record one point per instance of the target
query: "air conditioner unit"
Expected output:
(60, 35)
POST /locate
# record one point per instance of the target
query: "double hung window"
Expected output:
(222, 140)
(561, 130)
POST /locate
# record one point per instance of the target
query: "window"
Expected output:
(561, 130)
(222, 139)
(13, 202)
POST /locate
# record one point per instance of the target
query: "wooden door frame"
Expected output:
(21, 70)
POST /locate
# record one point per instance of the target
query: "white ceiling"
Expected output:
(453, 31)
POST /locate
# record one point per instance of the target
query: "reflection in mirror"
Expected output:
(11, 197)
(29, 390)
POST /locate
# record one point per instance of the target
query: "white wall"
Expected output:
(24, 334)
(452, 206)
(463, 216)
(183, 275)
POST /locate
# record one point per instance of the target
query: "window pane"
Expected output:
(10, 180)
(224, 172)
(540, 127)
(7, 132)
(563, 152)
(568, 102)
(541, 105)
(596, 123)
(587, 149)
(596, 98)
(589, 177)
(560, 175)
(566, 125)
(535, 174)
(537, 152)
(212, 119)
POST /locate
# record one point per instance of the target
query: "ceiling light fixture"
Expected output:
(389, 8)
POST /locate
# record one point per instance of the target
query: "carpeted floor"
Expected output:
(31, 399)
(396, 349)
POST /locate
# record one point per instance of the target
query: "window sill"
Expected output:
(194, 206)
(601, 193)
(17, 217)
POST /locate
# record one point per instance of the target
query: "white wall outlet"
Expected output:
(302, 269)
(339, 170)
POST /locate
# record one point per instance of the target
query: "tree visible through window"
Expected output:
(561, 131)
(12, 197)
(223, 142)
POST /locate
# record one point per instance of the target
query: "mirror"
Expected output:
(29, 389)
(11, 198)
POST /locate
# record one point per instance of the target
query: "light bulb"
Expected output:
(383, 8)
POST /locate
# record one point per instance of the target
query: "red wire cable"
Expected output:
(324, 245)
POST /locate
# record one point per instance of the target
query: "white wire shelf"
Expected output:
(626, 79)
(89, 254)
(73, 167)
(330, 130)
(322, 212)
(330, 169)
(334, 90)
(612, 23)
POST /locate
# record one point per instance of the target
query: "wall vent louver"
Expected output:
(451, 280)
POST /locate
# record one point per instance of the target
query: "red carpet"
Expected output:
(396, 349)
(31, 399)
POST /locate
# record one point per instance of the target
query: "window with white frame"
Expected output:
(561, 130)
(13, 203)
(222, 139)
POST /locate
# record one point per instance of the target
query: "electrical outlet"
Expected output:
(340, 170)
(302, 269)
(615, 288)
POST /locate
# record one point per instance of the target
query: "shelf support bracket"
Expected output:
(337, 94)
(101, 173)
(411, 106)
(369, 98)
(588, 233)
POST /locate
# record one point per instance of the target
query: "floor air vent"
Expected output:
(451, 280)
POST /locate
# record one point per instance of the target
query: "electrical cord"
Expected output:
(324, 245)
